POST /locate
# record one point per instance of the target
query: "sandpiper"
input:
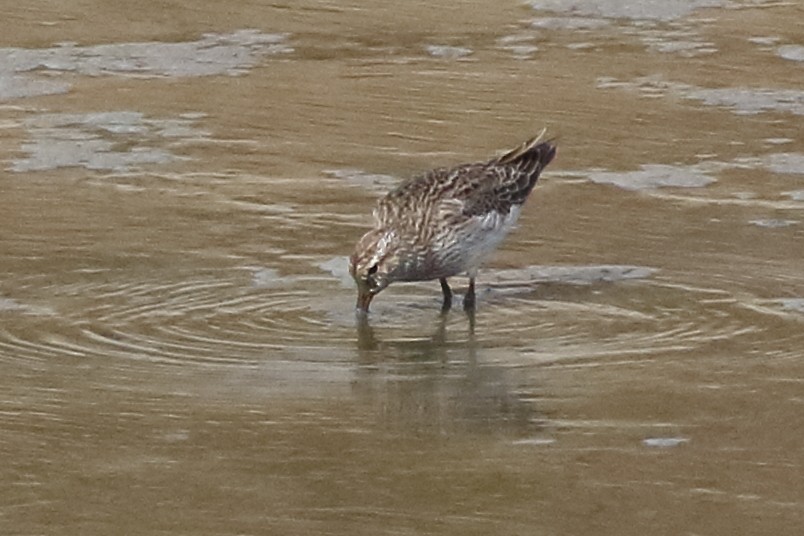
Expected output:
(446, 222)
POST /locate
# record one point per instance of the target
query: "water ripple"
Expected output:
(243, 317)
(207, 318)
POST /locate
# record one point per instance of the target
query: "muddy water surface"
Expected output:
(183, 182)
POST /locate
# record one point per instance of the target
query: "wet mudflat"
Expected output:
(181, 187)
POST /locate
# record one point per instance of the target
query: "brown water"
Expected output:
(183, 181)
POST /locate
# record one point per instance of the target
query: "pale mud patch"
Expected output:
(791, 52)
(652, 176)
(16, 87)
(114, 141)
(448, 52)
(788, 163)
(660, 26)
(653, 10)
(749, 101)
(789, 308)
(12, 306)
(765, 40)
(569, 23)
(263, 277)
(213, 54)
(771, 223)
(571, 275)
(7, 304)
(683, 42)
(520, 46)
(778, 141)
(792, 304)
(713, 181)
(740, 100)
(664, 442)
(339, 268)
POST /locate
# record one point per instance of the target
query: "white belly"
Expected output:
(466, 249)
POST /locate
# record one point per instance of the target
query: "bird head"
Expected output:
(373, 264)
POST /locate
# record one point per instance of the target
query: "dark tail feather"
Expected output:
(515, 174)
(523, 165)
(531, 157)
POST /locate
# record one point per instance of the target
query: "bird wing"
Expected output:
(508, 180)
(468, 190)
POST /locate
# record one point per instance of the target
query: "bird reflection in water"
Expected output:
(434, 384)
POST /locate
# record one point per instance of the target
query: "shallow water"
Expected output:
(182, 185)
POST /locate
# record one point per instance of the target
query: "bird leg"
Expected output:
(447, 294)
(469, 298)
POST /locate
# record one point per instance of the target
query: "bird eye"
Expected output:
(372, 270)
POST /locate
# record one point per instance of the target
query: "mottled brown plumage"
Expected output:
(446, 221)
